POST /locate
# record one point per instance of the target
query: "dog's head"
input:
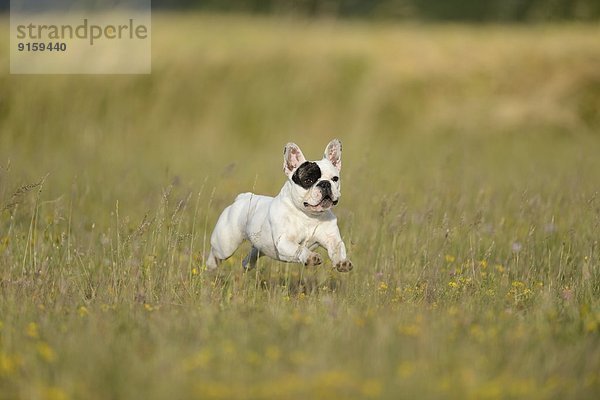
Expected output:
(315, 184)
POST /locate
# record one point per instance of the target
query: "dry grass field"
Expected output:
(470, 207)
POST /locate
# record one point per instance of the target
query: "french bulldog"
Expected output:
(289, 226)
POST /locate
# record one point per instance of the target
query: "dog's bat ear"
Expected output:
(333, 153)
(292, 158)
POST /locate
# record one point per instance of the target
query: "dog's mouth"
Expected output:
(325, 203)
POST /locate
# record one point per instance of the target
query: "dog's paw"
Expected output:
(344, 266)
(314, 259)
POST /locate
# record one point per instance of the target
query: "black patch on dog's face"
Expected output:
(307, 174)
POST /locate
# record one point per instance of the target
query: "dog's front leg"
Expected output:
(293, 252)
(336, 249)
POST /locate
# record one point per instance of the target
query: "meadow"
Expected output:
(470, 208)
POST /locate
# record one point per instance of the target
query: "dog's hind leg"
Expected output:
(224, 241)
(249, 262)
(212, 262)
(222, 248)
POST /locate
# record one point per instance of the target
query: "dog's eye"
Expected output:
(335, 178)
(309, 181)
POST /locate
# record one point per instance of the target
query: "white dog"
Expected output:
(289, 226)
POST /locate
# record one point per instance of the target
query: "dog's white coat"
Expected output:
(289, 226)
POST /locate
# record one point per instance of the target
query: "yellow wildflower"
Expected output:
(54, 393)
(452, 311)
(412, 330)
(228, 348)
(7, 365)
(32, 330)
(253, 358)
(273, 353)
(298, 358)
(405, 369)
(83, 311)
(199, 360)
(46, 352)
(477, 332)
(371, 388)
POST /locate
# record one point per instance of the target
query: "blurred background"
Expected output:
(453, 10)
(495, 88)
(437, 113)
(470, 206)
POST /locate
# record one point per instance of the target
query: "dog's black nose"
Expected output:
(325, 187)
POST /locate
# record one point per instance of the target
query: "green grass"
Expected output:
(470, 209)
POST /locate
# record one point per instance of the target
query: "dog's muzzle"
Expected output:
(326, 196)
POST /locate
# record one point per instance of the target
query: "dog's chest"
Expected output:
(304, 234)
